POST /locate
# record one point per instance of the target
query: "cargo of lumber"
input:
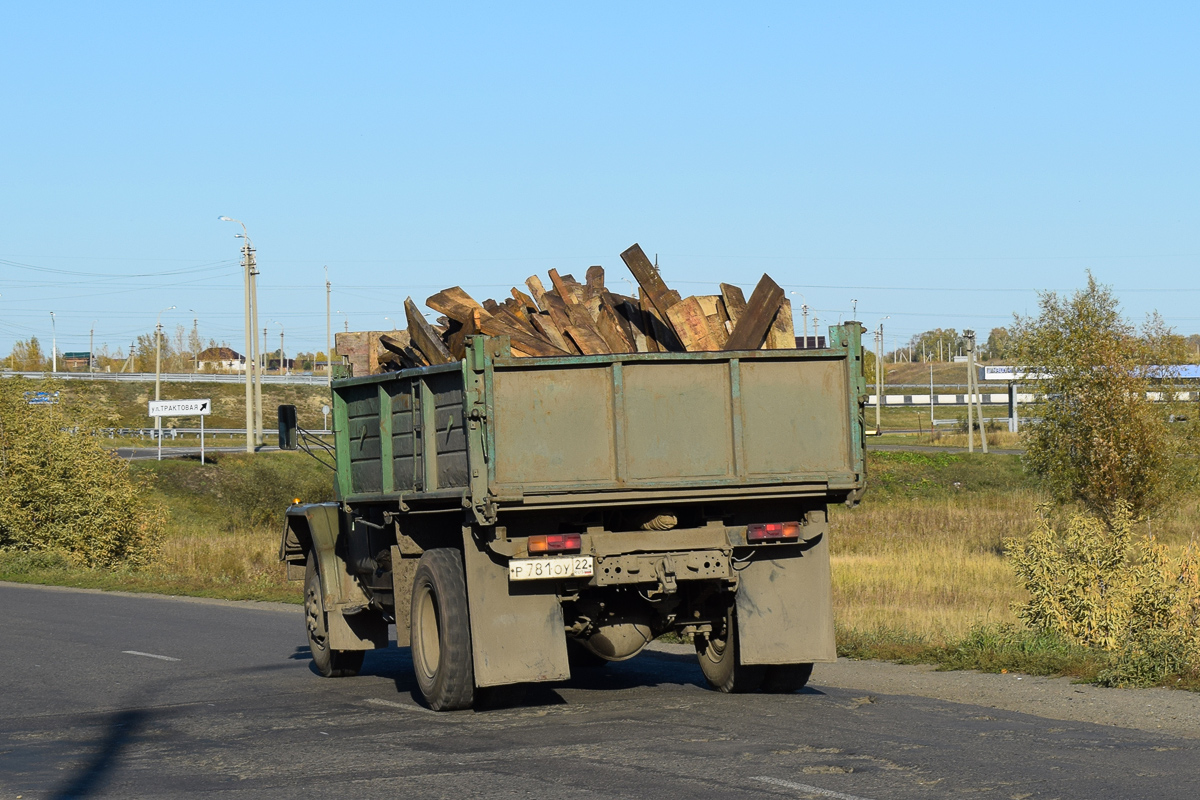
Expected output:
(563, 316)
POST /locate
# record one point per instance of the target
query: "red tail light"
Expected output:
(773, 532)
(555, 543)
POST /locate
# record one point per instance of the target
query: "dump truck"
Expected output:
(518, 519)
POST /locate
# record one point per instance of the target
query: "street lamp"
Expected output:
(158, 363)
(53, 344)
(195, 339)
(345, 319)
(251, 329)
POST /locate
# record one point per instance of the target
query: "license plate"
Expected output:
(530, 569)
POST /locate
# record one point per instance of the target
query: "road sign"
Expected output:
(41, 398)
(180, 408)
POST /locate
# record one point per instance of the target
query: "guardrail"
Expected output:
(175, 433)
(169, 377)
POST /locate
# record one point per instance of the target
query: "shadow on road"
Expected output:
(120, 730)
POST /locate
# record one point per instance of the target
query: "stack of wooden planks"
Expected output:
(572, 318)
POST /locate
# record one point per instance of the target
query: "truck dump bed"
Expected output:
(494, 432)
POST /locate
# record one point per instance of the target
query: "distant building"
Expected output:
(224, 359)
(76, 360)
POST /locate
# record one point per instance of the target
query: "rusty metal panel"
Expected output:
(794, 417)
(554, 426)
(678, 420)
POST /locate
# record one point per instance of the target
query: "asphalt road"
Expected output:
(125, 696)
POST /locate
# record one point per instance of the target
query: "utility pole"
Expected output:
(282, 361)
(266, 356)
(878, 377)
(258, 373)
(973, 395)
(328, 334)
(158, 365)
(248, 358)
(53, 344)
(879, 373)
(92, 350)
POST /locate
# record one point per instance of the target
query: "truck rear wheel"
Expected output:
(330, 663)
(786, 678)
(441, 631)
(720, 660)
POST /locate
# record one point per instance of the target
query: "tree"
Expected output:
(27, 356)
(927, 344)
(999, 344)
(1101, 441)
(62, 490)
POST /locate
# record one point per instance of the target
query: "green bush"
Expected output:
(62, 491)
(1097, 586)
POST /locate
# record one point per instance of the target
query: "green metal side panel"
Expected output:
(501, 428)
(794, 417)
(662, 422)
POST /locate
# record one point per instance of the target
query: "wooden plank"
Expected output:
(567, 288)
(398, 352)
(650, 325)
(490, 306)
(525, 342)
(735, 302)
(558, 311)
(423, 336)
(609, 328)
(595, 281)
(617, 305)
(782, 335)
(534, 284)
(637, 330)
(545, 325)
(503, 313)
(751, 328)
(688, 318)
(530, 306)
(456, 343)
(454, 303)
(714, 312)
(588, 341)
(651, 282)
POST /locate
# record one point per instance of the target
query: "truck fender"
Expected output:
(316, 528)
(312, 528)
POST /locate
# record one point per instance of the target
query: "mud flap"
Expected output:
(785, 608)
(516, 635)
(365, 630)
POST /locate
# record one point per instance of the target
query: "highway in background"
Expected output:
(108, 695)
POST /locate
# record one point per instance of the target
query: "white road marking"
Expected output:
(804, 787)
(149, 655)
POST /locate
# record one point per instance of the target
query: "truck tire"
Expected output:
(441, 631)
(720, 660)
(330, 663)
(786, 678)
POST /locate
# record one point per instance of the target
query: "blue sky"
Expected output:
(939, 163)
